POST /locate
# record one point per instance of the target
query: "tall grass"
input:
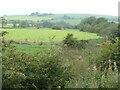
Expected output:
(86, 74)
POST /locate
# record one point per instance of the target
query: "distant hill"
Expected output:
(69, 18)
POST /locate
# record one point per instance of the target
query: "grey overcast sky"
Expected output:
(19, 7)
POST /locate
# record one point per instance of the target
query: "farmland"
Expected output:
(45, 35)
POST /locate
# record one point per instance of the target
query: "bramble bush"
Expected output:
(72, 42)
(109, 52)
(37, 71)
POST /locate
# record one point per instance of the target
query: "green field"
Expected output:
(33, 48)
(46, 35)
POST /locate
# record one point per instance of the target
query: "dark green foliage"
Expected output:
(118, 31)
(64, 25)
(101, 20)
(100, 26)
(66, 17)
(93, 20)
(3, 33)
(55, 27)
(49, 72)
(3, 43)
(82, 44)
(46, 23)
(40, 14)
(90, 20)
(109, 53)
(23, 24)
(70, 41)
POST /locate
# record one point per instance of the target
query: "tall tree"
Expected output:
(3, 21)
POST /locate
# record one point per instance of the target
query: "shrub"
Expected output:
(70, 41)
(109, 52)
(55, 27)
(42, 70)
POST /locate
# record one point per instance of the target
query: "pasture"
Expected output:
(33, 48)
(46, 35)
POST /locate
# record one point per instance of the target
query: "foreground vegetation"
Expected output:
(58, 67)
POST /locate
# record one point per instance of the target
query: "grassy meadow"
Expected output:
(33, 48)
(46, 35)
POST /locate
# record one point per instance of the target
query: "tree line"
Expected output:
(36, 24)
(100, 25)
(40, 14)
